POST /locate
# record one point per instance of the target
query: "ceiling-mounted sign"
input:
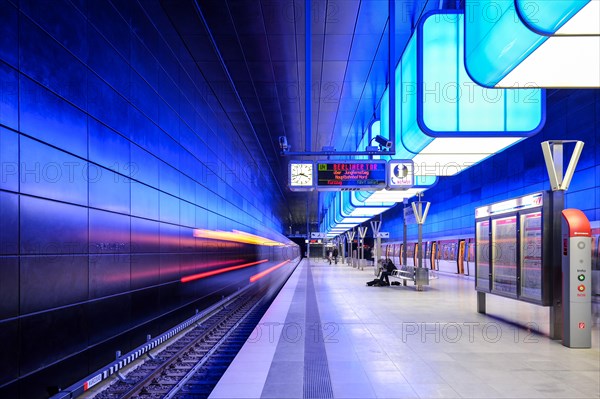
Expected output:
(400, 174)
(318, 235)
(351, 175)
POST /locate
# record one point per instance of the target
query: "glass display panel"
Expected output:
(482, 229)
(531, 256)
(504, 256)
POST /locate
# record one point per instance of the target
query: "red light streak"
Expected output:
(219, 271)
(269, 270)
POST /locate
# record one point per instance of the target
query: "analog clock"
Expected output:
(301, 175)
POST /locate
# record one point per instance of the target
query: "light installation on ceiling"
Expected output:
(445, 122)
(560, 17)
(546, 43)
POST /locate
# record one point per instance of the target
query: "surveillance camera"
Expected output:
(283, 143)
(382, 141)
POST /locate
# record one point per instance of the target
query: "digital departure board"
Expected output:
(351, 175)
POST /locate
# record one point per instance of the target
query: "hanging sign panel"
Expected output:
(351, 175)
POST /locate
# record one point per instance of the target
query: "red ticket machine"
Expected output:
(577, 279)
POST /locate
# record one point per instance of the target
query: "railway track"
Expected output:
(190, 367)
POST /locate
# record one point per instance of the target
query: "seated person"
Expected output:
(387, 269)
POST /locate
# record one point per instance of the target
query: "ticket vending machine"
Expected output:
(577, 279)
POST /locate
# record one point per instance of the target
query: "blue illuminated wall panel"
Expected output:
(111, 152)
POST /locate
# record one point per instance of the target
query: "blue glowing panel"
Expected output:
(495, 40)
(412, 139)
(548, 16)
(449, 103)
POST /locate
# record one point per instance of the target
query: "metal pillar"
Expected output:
(421, 274)
(362, 232)
(350, 237)
(553, 156)
(375, 226)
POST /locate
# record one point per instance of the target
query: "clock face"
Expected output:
(301, 174)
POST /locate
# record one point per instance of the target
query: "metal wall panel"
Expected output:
(47, 117)
(109, 274)
(169, 238)
(9, 88)
(145, 270)
(9, 287)
(109, 232)
(9, 222)
(106, 104)
(39, 52)
(146, 166)
(169, 208)
(9, 352)
(9, 33)
(144, 236)
(117, 159)
(43, 337)
(108, 190)
(49, 227)
(9, 158)
(170, 265)
(50, 173)
(108, 318)
(144, 201)
(62, 21)
(51, 281)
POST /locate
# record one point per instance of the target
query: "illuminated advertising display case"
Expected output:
(512, 248)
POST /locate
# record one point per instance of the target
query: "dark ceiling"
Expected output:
(251, 53)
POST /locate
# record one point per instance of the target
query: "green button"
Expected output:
(581, 277)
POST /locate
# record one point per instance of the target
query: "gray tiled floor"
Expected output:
(395, 342)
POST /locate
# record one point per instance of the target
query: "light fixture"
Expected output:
(544, 43)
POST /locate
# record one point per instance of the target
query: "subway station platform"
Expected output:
(328, 335)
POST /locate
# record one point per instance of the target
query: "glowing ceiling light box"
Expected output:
(421, 184)
(446, 121)
(464, 122)
(546, 43)
(353, 207)
(560, 17)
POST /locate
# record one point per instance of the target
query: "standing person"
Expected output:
(329, 256)
(335, 255)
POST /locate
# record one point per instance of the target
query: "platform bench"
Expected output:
(405, 273)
